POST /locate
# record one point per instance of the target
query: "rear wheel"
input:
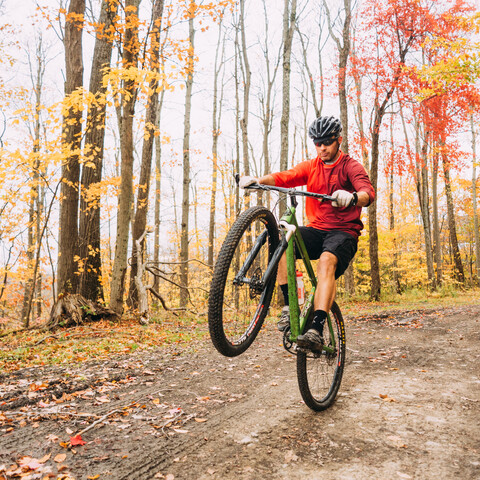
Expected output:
(238, 302)
(320, 374)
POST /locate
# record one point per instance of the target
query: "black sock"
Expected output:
(285, 293)
(319, 317)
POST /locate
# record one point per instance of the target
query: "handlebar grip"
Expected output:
(328, 197)
(253, 186)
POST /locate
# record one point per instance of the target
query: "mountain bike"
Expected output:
(242, 287)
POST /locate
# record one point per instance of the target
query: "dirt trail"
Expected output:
(409, 408)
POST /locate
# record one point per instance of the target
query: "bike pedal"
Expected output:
(317, 351)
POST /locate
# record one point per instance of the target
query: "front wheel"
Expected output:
(320, 374)
(238, 302)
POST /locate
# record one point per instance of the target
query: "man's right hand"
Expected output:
(246, 181)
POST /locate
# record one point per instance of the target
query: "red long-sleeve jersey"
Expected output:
(345, 174)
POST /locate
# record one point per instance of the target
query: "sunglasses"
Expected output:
(327, 142)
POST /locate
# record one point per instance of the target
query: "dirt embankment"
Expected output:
(408, 408)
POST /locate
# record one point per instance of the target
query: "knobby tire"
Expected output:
(236, 312)
(319, 375)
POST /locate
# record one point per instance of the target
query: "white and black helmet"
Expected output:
(325, 127)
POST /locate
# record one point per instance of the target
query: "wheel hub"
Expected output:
(256, 286)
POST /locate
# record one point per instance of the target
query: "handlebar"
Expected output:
(288, 191)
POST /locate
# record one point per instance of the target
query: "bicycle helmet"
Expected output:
(325, 127)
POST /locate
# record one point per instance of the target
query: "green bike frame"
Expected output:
(298, 319)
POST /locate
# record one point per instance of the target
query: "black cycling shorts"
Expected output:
(341, 244)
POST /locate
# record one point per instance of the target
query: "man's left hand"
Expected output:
(342, 198)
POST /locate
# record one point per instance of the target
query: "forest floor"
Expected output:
(408, 408)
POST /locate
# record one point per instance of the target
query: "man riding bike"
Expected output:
(331, 235)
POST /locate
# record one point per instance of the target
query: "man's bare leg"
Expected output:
(323, 301)
(327, 286)
(282, 273)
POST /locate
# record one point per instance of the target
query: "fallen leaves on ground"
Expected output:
(30, 468)
(27, 348)
(61, 457)
(77, 440)
(386, 398)
(290, 457)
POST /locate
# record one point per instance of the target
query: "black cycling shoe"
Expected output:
(312, 340)
(284, 322)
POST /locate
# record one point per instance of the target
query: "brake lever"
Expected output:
(254, 186)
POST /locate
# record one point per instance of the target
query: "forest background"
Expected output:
(123, 123)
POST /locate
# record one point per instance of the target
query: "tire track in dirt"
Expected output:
(423, 426)
(408, 408)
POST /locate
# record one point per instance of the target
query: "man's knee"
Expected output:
(282, 274)
(327, 264)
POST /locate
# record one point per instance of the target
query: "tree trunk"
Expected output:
(476, 233)
(343, 48)
(36, 200)
(130, 56)
(247, 74)
(457, 259)
(372, 215)
(158, 191)
(266, 101)
(313, 86)
(237, 126)
(359, 118)
(71, 140)
(289, 21)
(437, 244)
(186, 164)
(379, 112)
(90, 285)
(421, 180)
(216, 116)
(395, 275)
(140, 287)
(391, 205)
(140, 220)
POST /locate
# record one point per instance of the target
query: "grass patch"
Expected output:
(96, 341)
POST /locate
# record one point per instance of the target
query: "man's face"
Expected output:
(328, 152)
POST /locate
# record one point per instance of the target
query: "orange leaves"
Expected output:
(130, 9)
(76, 19)
(213, 10)
(191, 10)
(59, 458)
(115, 79)
(34, 387)
(386, 398)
